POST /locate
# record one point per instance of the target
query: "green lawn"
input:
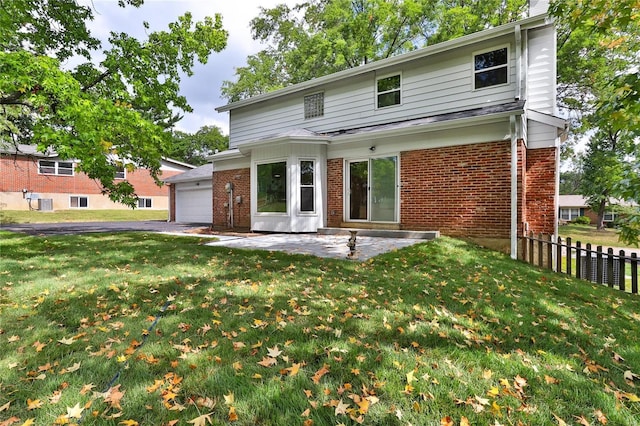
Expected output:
(34, 216)
(138, 328)
(589, 234)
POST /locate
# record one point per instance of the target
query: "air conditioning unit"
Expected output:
(45, 204)
(593, 276)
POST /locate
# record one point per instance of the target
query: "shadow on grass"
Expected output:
(444, 312)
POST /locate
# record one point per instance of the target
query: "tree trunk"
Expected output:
(601, 208)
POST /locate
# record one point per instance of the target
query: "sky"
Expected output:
(202, 90)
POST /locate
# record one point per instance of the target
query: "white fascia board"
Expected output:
(536, 21)
(246, 148)
(228, 154)
(548, 119)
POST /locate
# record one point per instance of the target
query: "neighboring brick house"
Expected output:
(459, 137)
(33, 180)
(573, 206)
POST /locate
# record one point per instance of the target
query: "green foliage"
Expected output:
(195, 148)
(104, 114)
(320, 37)
(582, 220)
(570, 182)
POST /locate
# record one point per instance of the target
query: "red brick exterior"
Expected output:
(21, 172)
(335, 202)
(540, 184)
(241, 179)
(460, 191)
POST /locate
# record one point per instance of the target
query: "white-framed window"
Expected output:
(51, 167)
(610, 216)
(78, 202)
(121, 173)
(314, 105)
(388, 90)
(491, 68)
(145, 203)
(307, 186)
(569, 213)
(272, 187)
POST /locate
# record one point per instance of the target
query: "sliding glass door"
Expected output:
(373, 189)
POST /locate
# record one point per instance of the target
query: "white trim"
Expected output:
(377, 94)
(514, 187)
(496, 67)
(254, 186)
(548, 119)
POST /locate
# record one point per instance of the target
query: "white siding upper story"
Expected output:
(435, 80)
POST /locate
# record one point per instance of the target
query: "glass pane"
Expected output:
(491, 78)
(383, 189)
(389, 83)
(84, 202)
(314, 105)
(490, 59)
(272, 187)
(74, 202)
(388, 99)
(306, 172)
(358, 189)
(307, 199)
(47, 167)
(65, 169)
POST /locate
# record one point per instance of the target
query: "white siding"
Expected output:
(541, 135)
(541, 81)
(433, 85)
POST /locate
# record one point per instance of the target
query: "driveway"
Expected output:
(89, 227)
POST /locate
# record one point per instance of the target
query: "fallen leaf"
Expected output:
(201, 420)
(75, 412)
(274, 352)
(321, 372)
(232, 414)
(447, 421)
(34, 404)
(267, 361)
(66, 341)
(341, 408)
(229, 398)
(601, 417)
(129, 423)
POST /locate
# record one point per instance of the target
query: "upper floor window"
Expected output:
(491, 68)
(314, 105)
(388, 91)
(120, 173)
(49, 167)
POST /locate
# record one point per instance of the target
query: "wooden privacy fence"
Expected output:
(618, 271)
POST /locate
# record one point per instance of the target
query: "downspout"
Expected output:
(514, 186)
(518, 37)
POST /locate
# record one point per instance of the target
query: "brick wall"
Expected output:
(22, 172)
(241, 179)
(540, 190)
(335, 204)
(460, 191)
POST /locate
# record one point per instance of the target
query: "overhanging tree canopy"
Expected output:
(118, 110)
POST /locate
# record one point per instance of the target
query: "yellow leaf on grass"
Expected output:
(341, 408)
(232, 414)
(293, 370)
(229, 398)
(66, 341)
(201, 420)
(5, 407)
(129, 423)
(29, 422)
(75, 412)
(33, 404)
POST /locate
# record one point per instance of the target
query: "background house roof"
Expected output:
(203, 172)
(578, 201)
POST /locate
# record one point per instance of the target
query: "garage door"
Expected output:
(194, 203)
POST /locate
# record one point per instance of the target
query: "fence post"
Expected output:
(569, 255)
(599, 267)
(622, 266)
(550, 253)
(610, 267)
(540, 249)
(531, 247)
(634, 273)
(559, 254)
(589, 269)
(578, 259)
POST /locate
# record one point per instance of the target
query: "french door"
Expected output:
(373, 190)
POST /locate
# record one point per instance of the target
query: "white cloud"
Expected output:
(203, 88)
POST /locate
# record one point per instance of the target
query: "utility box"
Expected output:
(45, 204)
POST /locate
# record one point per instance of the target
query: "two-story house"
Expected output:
(32, 180)
(459, 137)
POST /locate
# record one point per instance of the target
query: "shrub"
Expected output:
(582, 220)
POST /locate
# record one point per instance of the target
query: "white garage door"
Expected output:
(194, 203)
